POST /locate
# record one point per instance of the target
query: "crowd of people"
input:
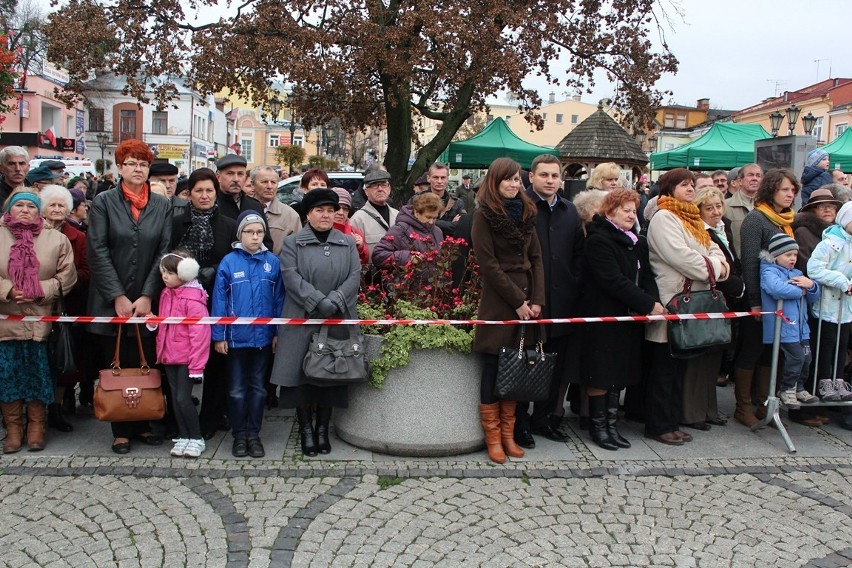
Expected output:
(224, 245)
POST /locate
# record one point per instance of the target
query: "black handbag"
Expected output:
(336, 361)
(693, 337)
(60, 344)
(524, 373)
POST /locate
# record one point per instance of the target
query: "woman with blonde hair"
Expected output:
(606, 177)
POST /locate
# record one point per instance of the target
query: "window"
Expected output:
(818, 131)
(575, 119)
(96, 120)
(680, 121)
(246, 145)
(274, 140)
(669, 146)
(127, 124)
(161, 123)
(840, 129)
(558, 119)
(489, 119)
(298, 141)
(544, 116)
(669, 121)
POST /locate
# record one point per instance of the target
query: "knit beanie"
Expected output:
(844, 216)
(247, 218)
(815, 156)
(781, 243)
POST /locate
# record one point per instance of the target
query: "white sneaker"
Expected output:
(180, 446)
(842, 388)
(805, 397)
(194, 448)
(788, 398)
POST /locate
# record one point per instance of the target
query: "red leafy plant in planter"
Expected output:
(422, 289)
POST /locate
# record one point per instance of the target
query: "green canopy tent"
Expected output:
(495, 141)
(726, 145)
(840, 151)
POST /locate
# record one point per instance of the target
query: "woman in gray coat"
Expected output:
(321, 273)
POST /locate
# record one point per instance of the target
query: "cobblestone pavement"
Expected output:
(738, 499)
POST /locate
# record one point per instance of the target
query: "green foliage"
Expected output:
(323, 163)
(384, 481)
(291, 156)
(102, 165)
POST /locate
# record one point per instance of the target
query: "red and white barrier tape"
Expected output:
(297, 321)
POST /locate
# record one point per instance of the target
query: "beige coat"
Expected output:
(56, 266)
(675, 255)
(372, 230)
(736, 209)
(282, 220)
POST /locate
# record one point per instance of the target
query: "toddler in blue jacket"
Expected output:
(248, 284)
(780, 280)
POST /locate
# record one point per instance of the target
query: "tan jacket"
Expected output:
(56, 266)
(283, 220)
(365, 221)
(676, 256)
(736, 209)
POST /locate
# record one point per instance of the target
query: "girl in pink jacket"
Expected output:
(183, 349)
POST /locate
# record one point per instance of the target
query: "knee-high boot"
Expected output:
(321, 430)
(744, 412)
(598, 426)
(507, 429)
(761, 390)
(36, 411)
(489, 416)
(612, 420)
(306, 431)
(13, 423)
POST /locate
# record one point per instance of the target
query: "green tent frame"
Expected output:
(726, 145)
(840, 151)
(494, 141)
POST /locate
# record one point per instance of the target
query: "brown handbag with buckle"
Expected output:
(129, 395)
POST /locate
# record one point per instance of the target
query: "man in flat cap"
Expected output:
(376, 216)
(166, 173)
(42, 176)
(231, 172)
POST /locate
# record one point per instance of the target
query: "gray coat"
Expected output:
(312, 270)
(124, 255)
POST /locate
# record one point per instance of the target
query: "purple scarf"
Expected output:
(23, 262)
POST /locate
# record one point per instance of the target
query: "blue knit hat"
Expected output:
(815, 156)
(781, 243)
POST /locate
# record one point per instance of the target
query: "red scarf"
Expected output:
(138, 201)
(23, 262)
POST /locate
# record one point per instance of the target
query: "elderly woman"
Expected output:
(606, 177)
(321, 273)
(512, 273)
(34, 262)
(588, 203)
(678, 245)
(610, 289)
(129, 231)
(772, 214)
(700, 408)
(56, 202)
(414, 232)
(341, 223)
(207, 234)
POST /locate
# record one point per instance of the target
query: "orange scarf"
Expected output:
(689, 217)
(138, 201)
(783, 220)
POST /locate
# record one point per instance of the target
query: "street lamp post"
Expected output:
(792, 116)
(808, 123)
(775, 120)
(103, 140)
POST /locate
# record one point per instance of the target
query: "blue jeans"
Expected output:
(247, 368)
(797, 363)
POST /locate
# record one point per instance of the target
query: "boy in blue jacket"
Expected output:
(780, 280)
(248, 284)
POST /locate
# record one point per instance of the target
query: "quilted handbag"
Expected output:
(524, 373)
(693, 337)
(128, 395)
(60, 344)
(335, 361)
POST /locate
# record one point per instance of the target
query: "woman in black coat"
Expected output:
(610, 288)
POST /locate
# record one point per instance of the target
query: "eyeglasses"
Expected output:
(258, 233)
(134, 165)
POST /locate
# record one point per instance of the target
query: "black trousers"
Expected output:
(488, 380)
(663, 391)
(214, 395)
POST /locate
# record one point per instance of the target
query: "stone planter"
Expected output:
(427, 408)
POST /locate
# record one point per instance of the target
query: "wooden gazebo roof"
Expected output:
(599, 138)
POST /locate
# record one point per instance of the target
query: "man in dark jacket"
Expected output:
(438, 178)
(14, 165)
(232, 200)
(560, 233)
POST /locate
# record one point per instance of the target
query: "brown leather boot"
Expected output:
(507, 429)
(12, 421)
(36, 412)
(489, 416)
(744, 413)
(761, 390)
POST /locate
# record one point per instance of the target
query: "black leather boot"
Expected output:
(612, 420)
(306, 431)
(55, 419)
(323, 419)
(598, 425)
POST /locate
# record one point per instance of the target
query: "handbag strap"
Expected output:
(687, 283)
(60, 301)
(116, 362)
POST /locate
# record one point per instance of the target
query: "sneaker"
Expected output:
(194, 448)
(180, 446)
(842, 388)
(805, 397)
(788, 398)
(827, 391)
